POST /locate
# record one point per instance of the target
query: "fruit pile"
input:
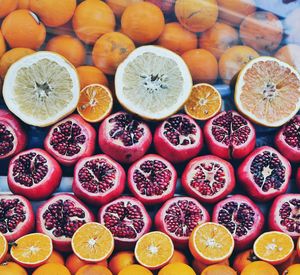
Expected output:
(166, 178)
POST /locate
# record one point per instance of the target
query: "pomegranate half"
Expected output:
(98, 179)
(34, 174)
(208, 178)
(152, 179)
(179, 138)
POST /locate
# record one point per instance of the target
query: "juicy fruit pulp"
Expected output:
(124, 137)
(229, 135)
(152, 179)
(265, 173)
(178, 217)
(127, 219)
(208, 178)
(178, 138)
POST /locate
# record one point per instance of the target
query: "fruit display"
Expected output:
(149, 137)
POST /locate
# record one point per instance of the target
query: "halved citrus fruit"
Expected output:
(154, 250)
(211, 243)
(153, 82)
(95, 102)
(273, 247)
(41, 88)
(267, 91)
(32, 250)
(3, 247)
(204, 102)
(93, 242)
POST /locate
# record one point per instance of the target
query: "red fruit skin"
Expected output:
(151, 200)
(90, 143)
(247, 241)
(11, 122)
(44, 188)
(95, 198)
(274, 214)
(122, 243)
(193, 193)
(119, 152)
(160, 225)
(246, 178)
(298, 178)
(291, 153)
(167, 6)
(227, 152)
(60, 244)
(25, 227)
(170, 152)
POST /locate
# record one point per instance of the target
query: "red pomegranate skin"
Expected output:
(28, 182)
(287, 140)
(17, 211)
(167, 6)
(13, 138)
(256, 168)
(220, 176)
(183, 141)
(68, 146)
(178, 217)
(67, 225)
(109, 172)
(298, 178)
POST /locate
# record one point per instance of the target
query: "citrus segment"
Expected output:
(3, 247)
(93, 242)
(204, 102)
(273, 247)
(268, 91)
(32, 250)
(154, 250)
(153, 82)
(211, 243)
(41, 88)
(95, 103)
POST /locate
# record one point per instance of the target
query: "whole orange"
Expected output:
(178, 257)
(292, 270)
(53, 13)
(218, 39)
(135, 269)
(11, 268)
(23, 4)
(73, 263)
(218, 269)
(261, 31)
(93, 270)
(290, 54)
(10, 57)
(143, 22)
(199, 267)
(196, 15)
(91, 75)
(7, 6)
(242, 259)
(202, 64)
(121, 260)
(294, 259)
(176, 269)
(118, 6)
(259, 268)
(234, 11)
(93, 18)
(110, 50)
(22, 28)
(56, 257)
(177, 39)
(2, 44)
(51, 269)
(69, 47)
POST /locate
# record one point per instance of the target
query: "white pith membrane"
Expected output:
(153, 82)
(272, 247)
(41, 88)
(268, 91)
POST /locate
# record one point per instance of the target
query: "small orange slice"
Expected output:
(3, 247)
(154, 250)
(95, 102)
(32, 250)
(273, 247)
(204, 102)
(211, 243)
(93, 242)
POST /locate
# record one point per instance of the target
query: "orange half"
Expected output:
(204, 102)
(32, 250)
(211, 243)
(154, 250)
(273, 247)
(95, 102)
(3, 247)
(93, 242)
